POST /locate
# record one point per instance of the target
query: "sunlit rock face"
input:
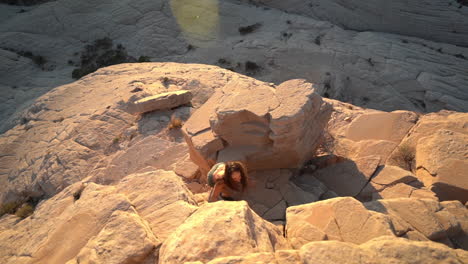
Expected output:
(222, 229)
(369, 68)
(264, 126)
(83, 129)
(346, 219)
(380, 250)
(94, 223)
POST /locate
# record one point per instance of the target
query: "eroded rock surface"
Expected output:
(221, 229)
(346, 219)
(82, 129)
(447, 19)
(88, 222)
(383, 249)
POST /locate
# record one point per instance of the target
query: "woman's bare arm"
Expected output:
(215, 192)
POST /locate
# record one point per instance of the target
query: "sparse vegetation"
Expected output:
(223, 61)
(318, 40)
(404, 156)
(252, 68)
(326, 89)
(19, 208)
(249, 29)
(144, 59)
(326, 144)
(175, 122)
(37, 59)
(116, 140)
(9, 208)
(25, 210)
(101, 54)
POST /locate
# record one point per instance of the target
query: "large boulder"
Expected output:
(381, 126)
(438, 144)
(442, 164)
(221, 229)
(344, 219)
(161, 198)
(76, 214)
(443, 222)
(125, 223)
(273, 127)
(126, 238)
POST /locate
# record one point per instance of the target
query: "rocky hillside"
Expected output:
(419, 68)
(331, 182)
(350, 116)
(439, 20)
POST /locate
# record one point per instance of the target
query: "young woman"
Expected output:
(229, 181)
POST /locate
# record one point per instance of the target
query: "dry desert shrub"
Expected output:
(326, 144)
(25, 211)
(404, 156)
(9, 208)
(175, 122)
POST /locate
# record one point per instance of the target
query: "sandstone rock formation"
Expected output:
(439, 142)
(282, 131)
(346, 219)
(221, 229)
(81, 129)
(97, 169)
(369, 68)
(446, 19)
(91, 223)
(380, 250)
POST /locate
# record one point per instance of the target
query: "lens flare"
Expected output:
(198, 20)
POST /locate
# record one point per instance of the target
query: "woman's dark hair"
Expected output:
(233, 166)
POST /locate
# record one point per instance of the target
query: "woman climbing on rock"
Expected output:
(229, 181)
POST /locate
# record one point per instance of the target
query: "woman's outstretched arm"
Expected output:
(214, 194)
